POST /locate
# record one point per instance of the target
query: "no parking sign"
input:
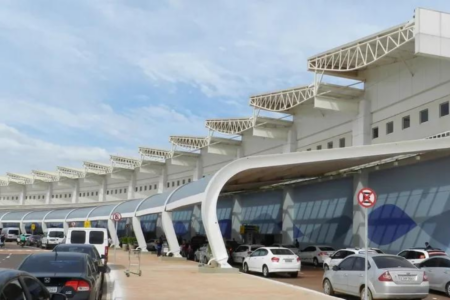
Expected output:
(367, 198)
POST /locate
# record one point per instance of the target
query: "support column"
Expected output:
(159, 228)
(132, 185)
(22, 227)
(291, 143)
(137, 229)
(102, 190)
(169, 231)
(359, 181)
(65, 227)
(236, 219)
(362, 125)
(198, 171)
(75, 190)
(195, 220)
(113, 233)
(22, 195)
(48, 195)
(288, 216)
(162, 184)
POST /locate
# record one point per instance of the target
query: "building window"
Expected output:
(115, 192)
(319, 147)
(150, 187)
(309, 149)
(84, 194)
(342, 143)
(406, 122)
(189, 180)
(389, 127)
(155, 186)
(173, 183)
(374, 132)
(145, 187)
(178, 183)
(92, 193)
(140, 189)
(96, 193)
(17, 197)
(168, 184)
(424, 116)
(80, 194)
(136, 189)
(330, 145)
(120, 191)
(444, 109)
(124, 191)
(107, 192)
(184, 181)
(70, 195)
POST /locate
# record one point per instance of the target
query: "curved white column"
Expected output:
(43, 225)
(137, 228)
(21, 225)
(113, 229)
(169, 230)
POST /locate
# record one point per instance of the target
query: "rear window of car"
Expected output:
(432, 254)
(388, 262)
(88, 251)
(13, 231)
(56, 234)
(96, 237)
(78, 237)
(326, 249)
(288, 246)
(51, 264)
(281, 252)
(253, 248)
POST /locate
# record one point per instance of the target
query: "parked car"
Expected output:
(14, 284)
(52, 237)
(71, 274)
(389, 277)
(315, 254)
(438, 272)
(35, 240)
(336, 258)
(151, 245)
(231, 247)
(293, 248)
(418, 255)
(195, 243)
(11, 233)
(243, 251)
(202, 254)
(269, 260)
(90, 236)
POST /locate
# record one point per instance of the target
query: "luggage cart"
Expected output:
(134, 260)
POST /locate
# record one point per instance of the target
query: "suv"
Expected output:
(418, 255)
(336, 258)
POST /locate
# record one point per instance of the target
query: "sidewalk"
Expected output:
(181, 279)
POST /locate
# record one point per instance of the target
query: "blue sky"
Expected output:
(84, 79)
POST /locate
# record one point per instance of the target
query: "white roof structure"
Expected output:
(71, 173)
(380, 48)
(45, 176)
(238, 126)
(4, 181)
(154, 154)
(125, 162)
(97, 168)
(19, 178)
(190, 142)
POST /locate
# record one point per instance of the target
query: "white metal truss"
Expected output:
(19, 179)
(154, 154)
(125, 162)
(363, 53)
(230, 126)
(45, 176)
(97, 168)
(190, 142)
(283, 100)
(4, 181)
(71, 173)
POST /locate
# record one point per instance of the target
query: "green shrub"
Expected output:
(124, 240)
(132, 240)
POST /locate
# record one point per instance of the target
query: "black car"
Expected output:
(20, 285)
(195, 243)
(71, 274)
(35, 240)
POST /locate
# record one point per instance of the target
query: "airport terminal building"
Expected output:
(294, 176)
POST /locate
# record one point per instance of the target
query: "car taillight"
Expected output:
(298, 259)
(386, 276)
(425, 277)
(275, 259)
(78, 285)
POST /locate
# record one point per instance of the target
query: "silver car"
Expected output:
(438, 272)
(390, 277)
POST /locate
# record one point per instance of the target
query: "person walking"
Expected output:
(159, 247)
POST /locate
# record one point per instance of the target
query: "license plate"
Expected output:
(288, 260)
(406, 278)
(52, 289)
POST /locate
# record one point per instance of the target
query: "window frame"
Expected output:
(342, 142)
(389, 127)
(377, 131)
(424, 112)
(408, 117)
(330, 145)
(447, 104)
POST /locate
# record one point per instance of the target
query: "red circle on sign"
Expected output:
(367, 198)
(73, 224)
(116, 216)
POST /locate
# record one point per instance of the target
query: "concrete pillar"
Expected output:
(195, 220)
(113, 233)
(48, 194)
(22, 194)
(137, 229)
(102, 190)
(75, 190)
(65, 227)
(162, 183)
(359, 181)
(132, 185)
(159, 229)
(288, 216)
(22, 227)
(236, 219)
(169, 231)
(291, 143)
(198, 170)
(362, 125)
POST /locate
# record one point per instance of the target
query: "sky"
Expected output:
(84, 79)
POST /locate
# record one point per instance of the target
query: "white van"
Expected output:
(92, 236)
(52, 237)
(11, 233)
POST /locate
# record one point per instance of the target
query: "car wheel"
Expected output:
(265, 271)
(245, 268)
(328, 288)
(363, 294)
(326, 267)
(447, 289)
(293, 274)
(315, 262)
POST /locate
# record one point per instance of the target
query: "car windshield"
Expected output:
(56, 234)
(255, 247)
(281, 252)
(77, 249)
(288, 246)
(52, 264)
(14, 231)
(388, 262)
(326, 249)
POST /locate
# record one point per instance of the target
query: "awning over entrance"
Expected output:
(188, 194)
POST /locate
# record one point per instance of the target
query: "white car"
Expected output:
(336, 258)
(269, 260)
(52, 237)
(18, 238)
(243, 251)
(316, 254)
(290, 247)
(418, 255)
(202, 254)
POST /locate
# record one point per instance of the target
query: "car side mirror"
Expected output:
(101, 269)
(58, 296)
(336, 268)
(102, 256)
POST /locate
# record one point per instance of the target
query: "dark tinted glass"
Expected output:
(347, 264)
(444, 263)
(14, 231)
(326, 249)
(255, 247)
(340, 255)
(387, 262)
(281, 251)
(56, 234)
(424, 116)
(53, 264)
(360, 264)
(309, 249)
(73, 248)
(256, 253)
(431, 263)
(415, 255)
(444, 109)
(78, 237)
(96, 237)
(37, 291)
(263, 252)
(403, 254)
